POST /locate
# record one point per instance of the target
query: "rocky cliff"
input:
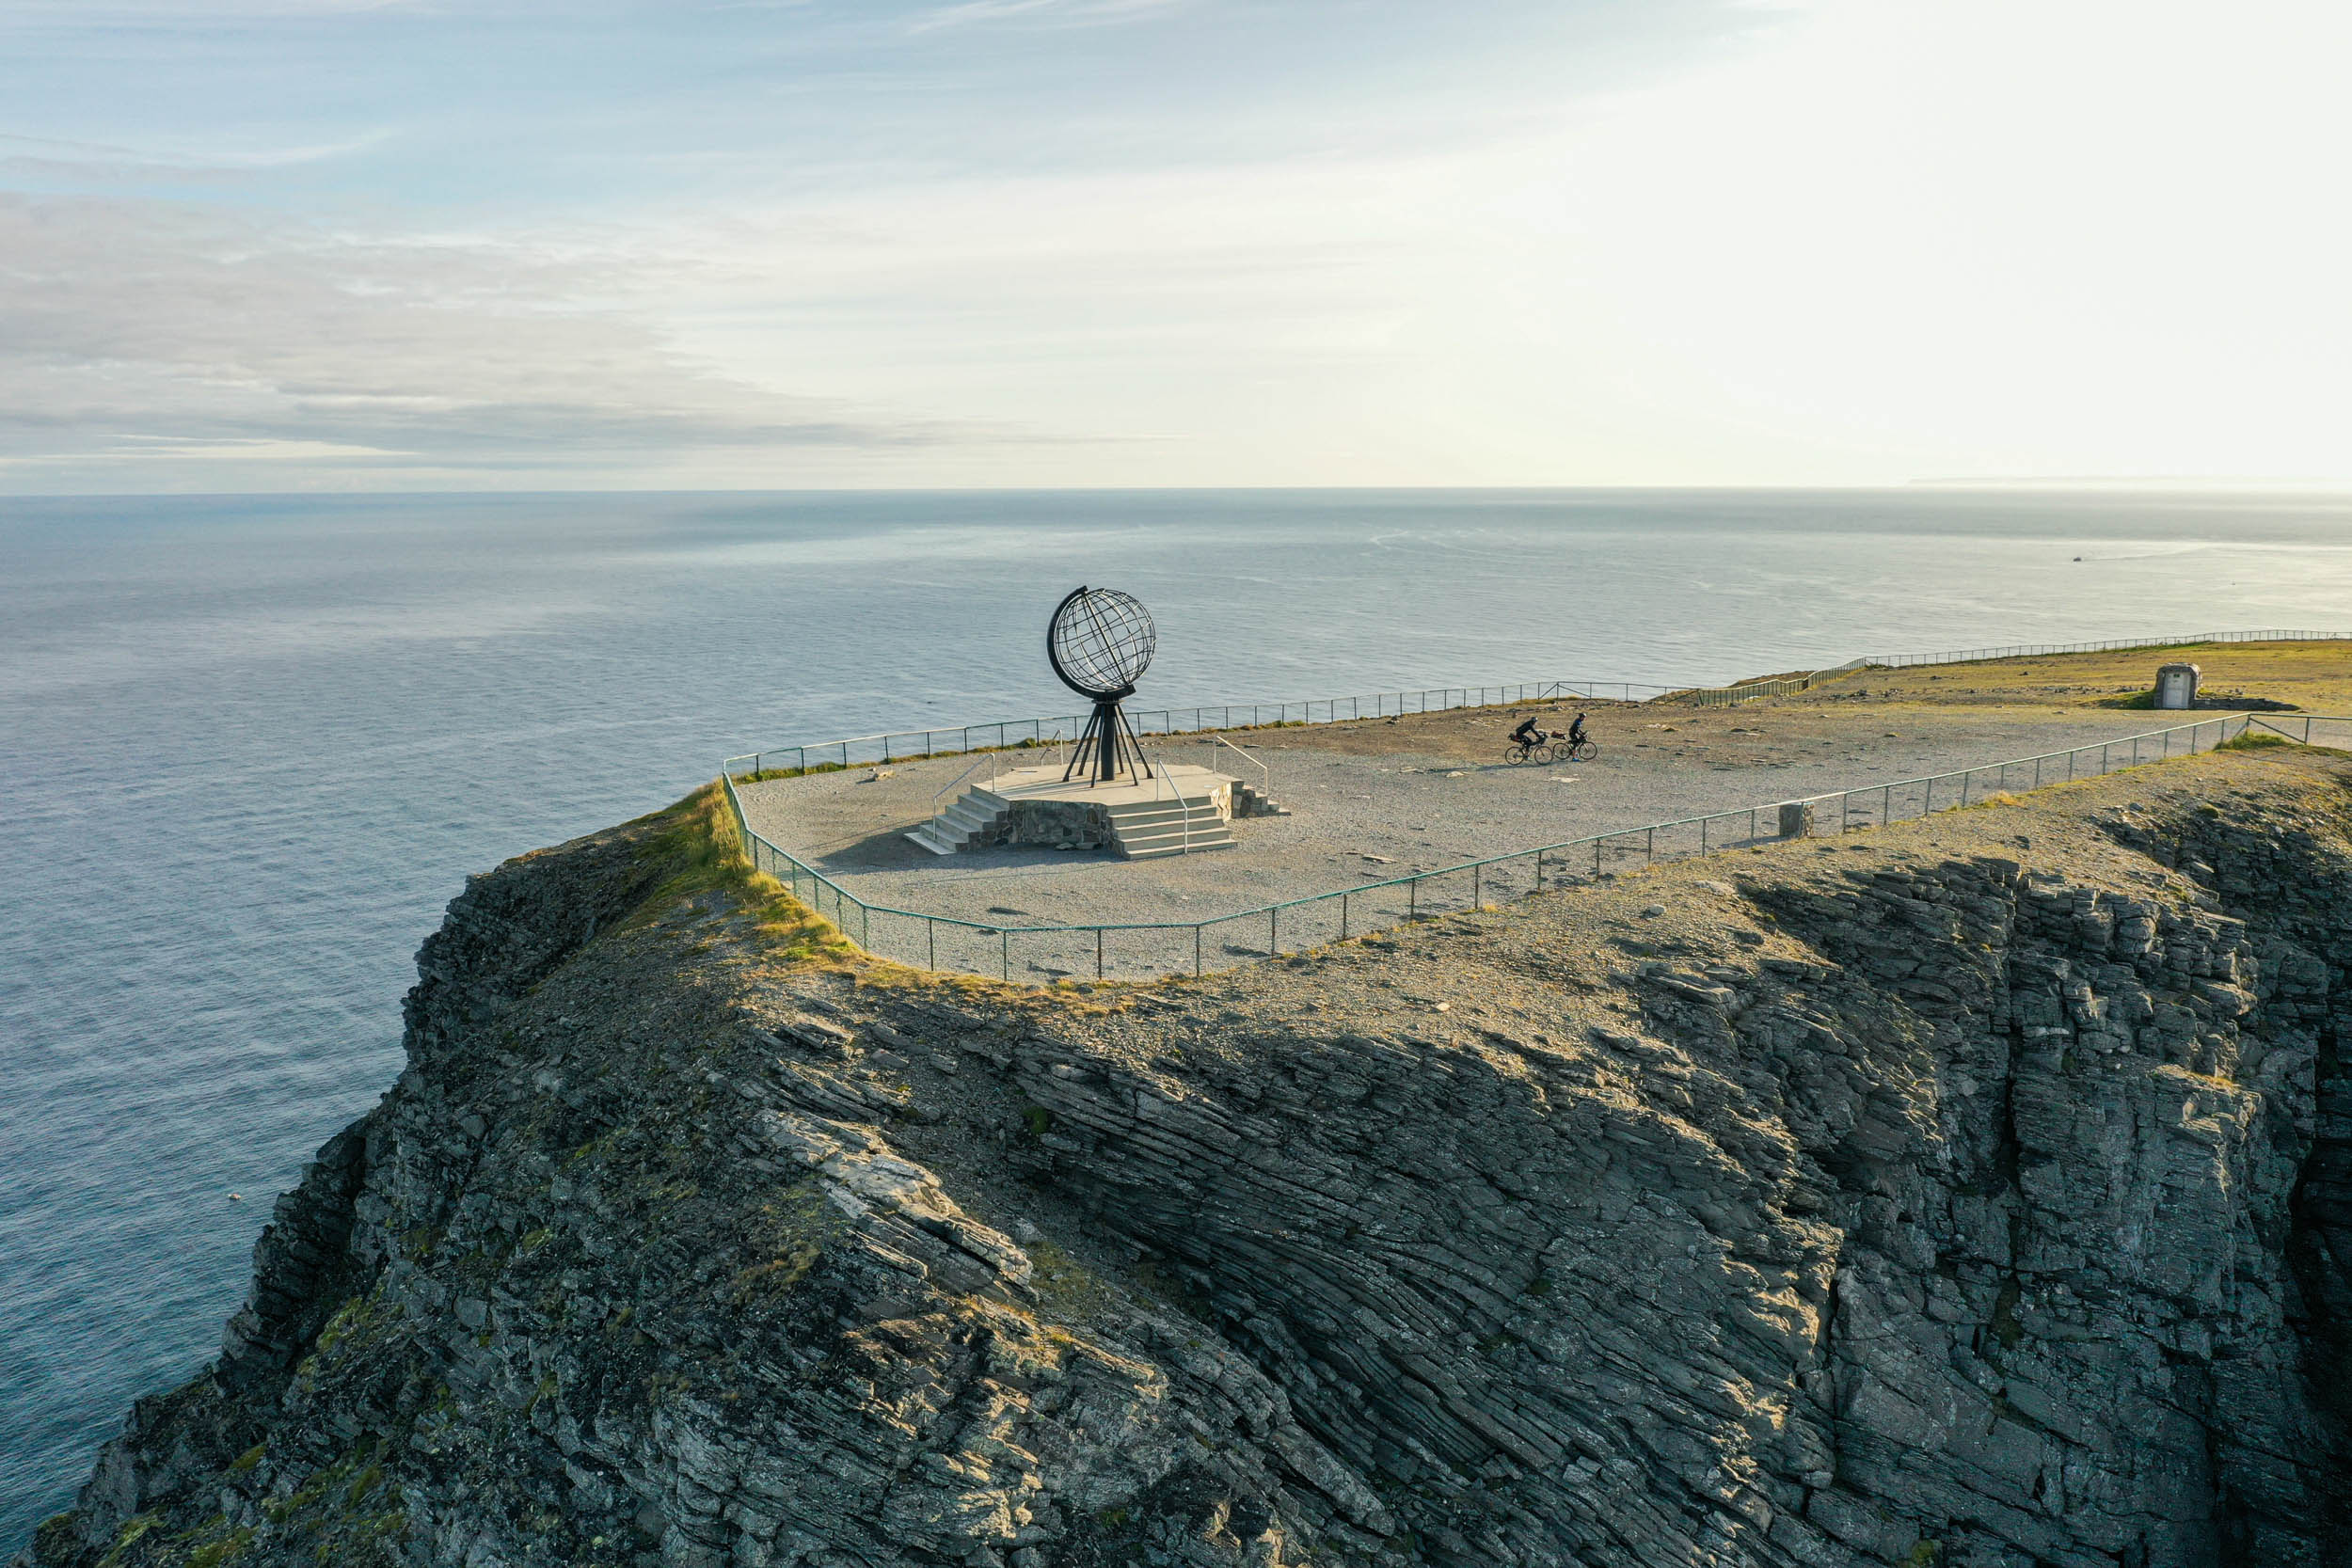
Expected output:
(1973, 1191)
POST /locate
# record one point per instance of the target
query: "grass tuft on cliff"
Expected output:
(704, 853)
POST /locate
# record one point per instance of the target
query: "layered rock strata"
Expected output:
(1974, 1192)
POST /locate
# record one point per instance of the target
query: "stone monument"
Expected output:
(2176, 685)
(1110, 795)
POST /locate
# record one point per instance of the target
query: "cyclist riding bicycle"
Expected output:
(1576, 731)
(1528, 733)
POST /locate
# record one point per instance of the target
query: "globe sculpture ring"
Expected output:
(1100, 642)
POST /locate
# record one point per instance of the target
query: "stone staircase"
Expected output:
(1249, 801)
(1140, 830)
(972, 812)
(1147, 830)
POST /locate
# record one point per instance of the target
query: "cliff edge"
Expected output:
(1975, 1191)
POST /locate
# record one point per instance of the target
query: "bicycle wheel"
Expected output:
(1584, 750)
(1515, 755)
(1539, 753)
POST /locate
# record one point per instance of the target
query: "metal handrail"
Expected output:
(780, 862)
(988, 762)
(1266, 775)
(1184, 807)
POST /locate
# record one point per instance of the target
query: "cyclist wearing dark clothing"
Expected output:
(1527, 734)
(1576, 731)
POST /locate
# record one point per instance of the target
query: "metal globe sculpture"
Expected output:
(1100, 642)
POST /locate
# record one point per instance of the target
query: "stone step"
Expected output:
(937, 847)
(1174, 840)
(968, 817)
(1157, 850)
(1149, 829)
(1248, 801)
(1200, 827)
(963, 820)
(1128, 819)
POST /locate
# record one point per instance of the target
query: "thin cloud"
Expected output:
(1061, 13)
(140, 330)
(194, 13)
(66, 161)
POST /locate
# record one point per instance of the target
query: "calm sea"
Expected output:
(249, 747)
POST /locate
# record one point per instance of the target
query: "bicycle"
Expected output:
(1543, 751)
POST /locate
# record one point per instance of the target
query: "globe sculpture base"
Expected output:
(1108, 749)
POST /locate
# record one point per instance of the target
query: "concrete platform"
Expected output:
(1180, 809)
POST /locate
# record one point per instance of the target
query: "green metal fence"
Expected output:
(1150, 949)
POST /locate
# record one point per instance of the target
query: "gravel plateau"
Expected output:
(1371, 801)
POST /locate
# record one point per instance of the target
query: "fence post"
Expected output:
(931, 943)
(1649, 846)
(1006, 937)
(1477, 888)
(1597, 858)
(1097, 952)
(1412, 899)
(1273, 943)
(1539, 871)
(1966, 774)
(1196, 952)
(1343, 917)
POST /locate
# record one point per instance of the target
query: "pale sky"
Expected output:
(257, 245)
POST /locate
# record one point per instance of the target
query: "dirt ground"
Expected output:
(2312, 677)
(1843, 716)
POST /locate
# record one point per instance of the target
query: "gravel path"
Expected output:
(1363, 819)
